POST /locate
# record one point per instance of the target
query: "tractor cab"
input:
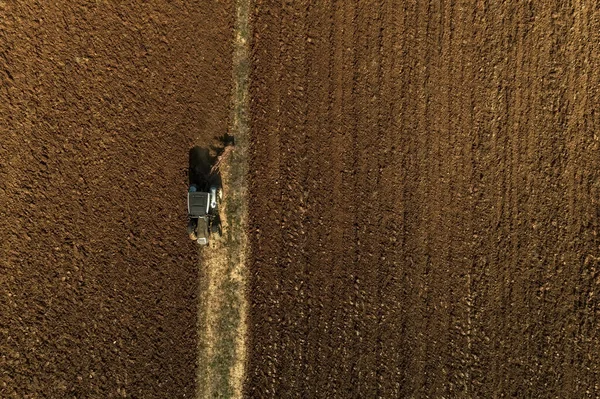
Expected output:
(198, 204)
(203, 214)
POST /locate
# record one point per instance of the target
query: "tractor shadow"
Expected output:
(202, 160)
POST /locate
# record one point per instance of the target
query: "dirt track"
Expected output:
(99, 105)
(425, 199)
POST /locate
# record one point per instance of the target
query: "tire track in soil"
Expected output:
(318, 210)
(293, 138)
(267, 188)
(447, 155)
(344, 227)
(367, 180)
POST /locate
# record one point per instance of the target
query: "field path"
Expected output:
(223, 308)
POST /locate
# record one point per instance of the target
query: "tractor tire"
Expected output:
(216, 229)
(191, 229)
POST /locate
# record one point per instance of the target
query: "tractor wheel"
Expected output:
(216, 229)
(191, 229)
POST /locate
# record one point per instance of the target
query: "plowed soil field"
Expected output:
(425, 199)
(99, 104)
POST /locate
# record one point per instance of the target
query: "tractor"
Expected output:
(203, 213)
(204, 195)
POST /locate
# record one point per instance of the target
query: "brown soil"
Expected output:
(99, 105)
(425, 199)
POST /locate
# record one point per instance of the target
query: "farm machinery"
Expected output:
(204, 195)
(203, 213)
